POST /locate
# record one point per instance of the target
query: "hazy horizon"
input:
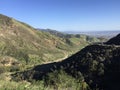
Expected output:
(65, 15)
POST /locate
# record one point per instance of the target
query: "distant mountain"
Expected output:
(54, 32)
(104, 34)
(74, 38)
(99, 64)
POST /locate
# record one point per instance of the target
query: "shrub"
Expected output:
(60, 80)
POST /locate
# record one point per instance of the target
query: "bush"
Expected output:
(2, 70)
(14, 68)
(60, 80)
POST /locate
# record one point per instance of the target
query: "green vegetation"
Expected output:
(58, 80)
(62, 81)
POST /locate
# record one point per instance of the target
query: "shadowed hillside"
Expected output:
(98, 64)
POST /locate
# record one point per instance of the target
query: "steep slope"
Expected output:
(24, 43)
(99, 65)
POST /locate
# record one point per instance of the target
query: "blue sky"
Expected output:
(63, 15)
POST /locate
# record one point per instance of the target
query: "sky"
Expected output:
(65, 15)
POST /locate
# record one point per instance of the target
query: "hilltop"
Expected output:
(114, 41)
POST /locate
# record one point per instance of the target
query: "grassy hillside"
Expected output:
(26, 44)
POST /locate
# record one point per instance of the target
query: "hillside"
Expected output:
(23, 42)
(31, 46)
(98, 64)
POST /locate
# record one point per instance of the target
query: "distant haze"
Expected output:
(106, 34)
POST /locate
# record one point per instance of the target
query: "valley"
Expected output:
(46, 59)
(60, 45)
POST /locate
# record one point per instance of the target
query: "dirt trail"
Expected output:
(58, 60)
